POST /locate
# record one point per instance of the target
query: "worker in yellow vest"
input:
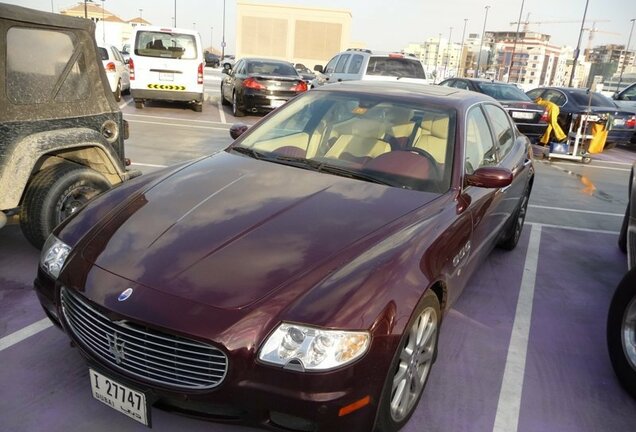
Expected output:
(553, 125)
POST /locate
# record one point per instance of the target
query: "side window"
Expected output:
(480, 149)
(238, 68)
(504, 132)
(629, 94)
(461, 85)
(448, 83)
(554, 96)
(355, 64)
(340, 67)
(117, 54)
(331, 66)
(60, 72)
(533, 94)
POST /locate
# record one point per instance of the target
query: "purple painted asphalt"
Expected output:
(569, 384)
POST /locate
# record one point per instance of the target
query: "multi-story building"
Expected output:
(441, 58)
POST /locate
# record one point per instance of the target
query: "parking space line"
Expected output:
(509, 405)
(173, 118)
(24, 333)
(590, 166)
(565, 227)
(222, 112)
(178, 125)
(123, 105)
(577, 211)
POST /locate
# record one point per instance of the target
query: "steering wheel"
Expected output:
(428, 156)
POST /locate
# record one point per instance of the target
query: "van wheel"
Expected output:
(139, 104)
(236, 111)
(55, 193)
(197, 107)
(117, 92)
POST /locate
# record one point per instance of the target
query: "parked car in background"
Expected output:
(307, 74)
(575, 101)
(125, 52)
(166, 64)
(626, 100)
(61, 131)
(211, 59)
(315, 260)
(256, 84)
(116, 70)
(621, 321)
(229, 60)
(364, 64)
(530, 118)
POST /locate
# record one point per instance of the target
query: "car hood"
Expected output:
(229, 230)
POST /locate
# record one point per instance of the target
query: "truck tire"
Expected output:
(55, 193)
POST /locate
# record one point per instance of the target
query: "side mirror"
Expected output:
(318, 68)
(489, 177)
(615, 96)
(238, 129)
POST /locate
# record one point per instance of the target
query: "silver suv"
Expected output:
(364, 64)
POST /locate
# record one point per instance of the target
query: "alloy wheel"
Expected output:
(521, 217)
(414, 364)
(628, 333)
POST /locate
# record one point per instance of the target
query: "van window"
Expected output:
(165, 45)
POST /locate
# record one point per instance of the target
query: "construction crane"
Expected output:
(593, 30)
(527, 23)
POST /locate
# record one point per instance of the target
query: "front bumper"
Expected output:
(251, 393)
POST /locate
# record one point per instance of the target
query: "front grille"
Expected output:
(147, 354)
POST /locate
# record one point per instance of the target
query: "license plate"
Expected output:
(522, 115)
(165, 76)
(277, 103)
(119, 397)
(619, 122)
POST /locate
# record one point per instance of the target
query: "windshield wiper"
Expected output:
(354, 174)
(248, 151)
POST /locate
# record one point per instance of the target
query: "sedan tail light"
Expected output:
(251, 83)
(300, 87)
(631, 122)
(110, 67)
(131, 69)
(200, 74)
(544, 117)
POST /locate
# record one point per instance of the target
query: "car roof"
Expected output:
(444, 96)
(26, 15)
(167, 30)
(268, 60)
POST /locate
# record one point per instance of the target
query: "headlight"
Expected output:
(54, 254)
(313, 348)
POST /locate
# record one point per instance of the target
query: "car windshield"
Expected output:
(395, 66)
(165, 45)
(365, 137)
(503, 92)
(582, 98)
(271, 68)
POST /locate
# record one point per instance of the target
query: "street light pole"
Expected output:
(514, 46)
(85, 10)
(481, 42)
(223, 40)
(141, 14)
(103, 24)
(578, 44)
(629, 40)
(448, 48)
(175, 13)
(461, 50)
(211, 33)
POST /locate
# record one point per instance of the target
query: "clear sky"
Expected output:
(392, 24)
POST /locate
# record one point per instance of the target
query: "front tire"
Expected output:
(621, 332)
(411, 365)
(139, 104)
(117, 92)
(54, 194)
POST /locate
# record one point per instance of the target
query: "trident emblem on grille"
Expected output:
(116, 348)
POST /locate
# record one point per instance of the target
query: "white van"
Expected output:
(166, 64)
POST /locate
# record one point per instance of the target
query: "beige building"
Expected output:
(307, 35)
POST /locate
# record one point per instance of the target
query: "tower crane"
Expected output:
(527, 23)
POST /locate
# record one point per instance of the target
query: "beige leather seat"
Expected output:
(436, 143)
(364, 141)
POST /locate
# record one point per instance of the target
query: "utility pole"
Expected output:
(85, 10)
(448, 48)
(461, 50)
(578, 44)
(175, 13)
(629, 40)
(481, 42)
(514, 47)
(223, 41)
(211, 33)
(439, 45)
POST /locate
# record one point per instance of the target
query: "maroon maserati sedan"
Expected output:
(297, 280)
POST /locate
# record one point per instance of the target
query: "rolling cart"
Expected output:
(578, 138)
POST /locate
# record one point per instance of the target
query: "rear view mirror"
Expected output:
(318, 68)
(237, 129)
(490, 177)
